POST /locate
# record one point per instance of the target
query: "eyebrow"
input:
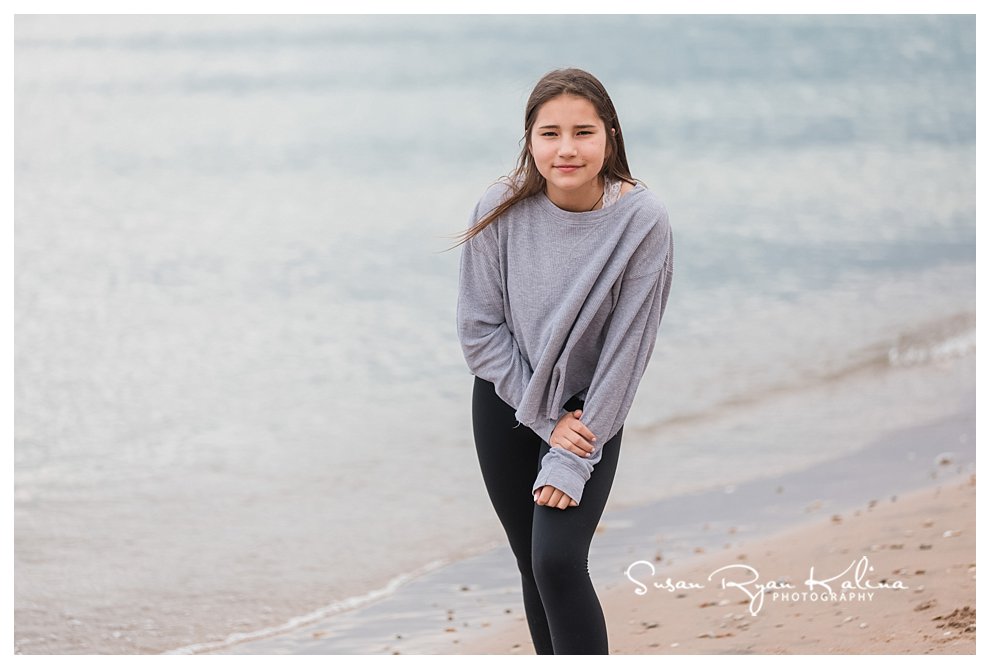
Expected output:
(586, 125)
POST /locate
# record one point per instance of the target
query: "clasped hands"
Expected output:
(573, 435)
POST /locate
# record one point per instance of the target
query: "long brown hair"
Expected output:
(525, 180)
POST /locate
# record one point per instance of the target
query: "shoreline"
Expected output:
(473, 605)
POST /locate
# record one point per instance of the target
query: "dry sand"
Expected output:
(926, 540)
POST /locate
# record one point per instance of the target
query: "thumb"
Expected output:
(578, 413)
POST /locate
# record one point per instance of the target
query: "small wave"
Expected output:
(336, 607)
(341, 606)
(948, 338)
(952, 338)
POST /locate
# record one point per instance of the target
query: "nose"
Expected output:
(566, 147)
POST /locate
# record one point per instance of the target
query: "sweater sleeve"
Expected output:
(490, 349)
(628, 345)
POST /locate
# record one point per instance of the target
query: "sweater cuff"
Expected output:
(565, 471)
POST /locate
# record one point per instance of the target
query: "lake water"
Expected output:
(239, 391)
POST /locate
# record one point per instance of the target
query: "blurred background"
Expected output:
(239, 391)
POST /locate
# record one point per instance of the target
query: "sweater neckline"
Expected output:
(589, 216)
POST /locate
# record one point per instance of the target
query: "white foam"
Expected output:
(335, 607)
(955, 346)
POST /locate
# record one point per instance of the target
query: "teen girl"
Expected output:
(564, 277)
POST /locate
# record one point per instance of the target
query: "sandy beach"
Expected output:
(915, 594)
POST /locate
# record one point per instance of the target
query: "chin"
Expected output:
(569, 184)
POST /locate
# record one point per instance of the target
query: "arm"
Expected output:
(489, 348)
(629, 343)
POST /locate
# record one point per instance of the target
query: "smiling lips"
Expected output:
(567, 168)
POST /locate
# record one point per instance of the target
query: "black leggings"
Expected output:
(550, 544)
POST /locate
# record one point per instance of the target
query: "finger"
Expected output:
(578, 434)
(567, 442)
(564, 502)
(573, 503)
(555, 498)
(546, 492)
(585, 432)
(578, 444)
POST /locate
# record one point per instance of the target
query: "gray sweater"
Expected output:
(553, 304)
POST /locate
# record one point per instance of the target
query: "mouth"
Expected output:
(567, 168)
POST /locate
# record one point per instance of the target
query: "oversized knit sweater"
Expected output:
(554, 304)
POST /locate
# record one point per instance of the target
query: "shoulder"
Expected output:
(494, 195)
(488, 238)
(649, 213)
(650, 222)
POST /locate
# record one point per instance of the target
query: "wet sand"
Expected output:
(924, 541)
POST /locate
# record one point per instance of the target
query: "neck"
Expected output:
(583, 199)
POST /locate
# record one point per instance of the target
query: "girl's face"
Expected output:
(568, 146)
